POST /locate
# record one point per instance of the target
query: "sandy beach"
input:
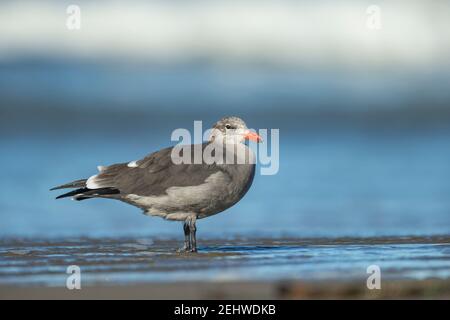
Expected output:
(419, 289)
(399, 289)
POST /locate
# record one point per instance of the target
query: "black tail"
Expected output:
(85, 193)
(74, 184)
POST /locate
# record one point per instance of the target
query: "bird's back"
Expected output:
(160, 187)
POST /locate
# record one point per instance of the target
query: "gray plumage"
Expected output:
(183, 192)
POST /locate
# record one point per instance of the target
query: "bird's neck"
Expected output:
(234, 153)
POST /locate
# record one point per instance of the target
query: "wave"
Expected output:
(281, 33)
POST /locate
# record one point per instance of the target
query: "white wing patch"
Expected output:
(132, 164)
(91, 184)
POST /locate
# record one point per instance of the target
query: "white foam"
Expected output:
(276, 32)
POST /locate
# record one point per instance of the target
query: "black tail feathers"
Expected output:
(74, 184)
(85, 193)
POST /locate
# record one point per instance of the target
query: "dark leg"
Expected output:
(187, 238)
(187, 242)
(193, 231)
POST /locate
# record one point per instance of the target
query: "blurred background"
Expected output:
(363, 112)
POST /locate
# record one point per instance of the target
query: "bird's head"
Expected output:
(232, 130)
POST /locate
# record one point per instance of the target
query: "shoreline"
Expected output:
(396, 289)
(239, 268)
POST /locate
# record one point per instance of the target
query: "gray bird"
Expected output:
(175, 184)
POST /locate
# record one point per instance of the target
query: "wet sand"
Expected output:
(401, 289)
(238, 268)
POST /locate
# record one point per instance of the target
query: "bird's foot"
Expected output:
(185, 249)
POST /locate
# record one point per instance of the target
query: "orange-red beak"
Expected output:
(253, 136)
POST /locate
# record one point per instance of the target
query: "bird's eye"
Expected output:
(227, 126)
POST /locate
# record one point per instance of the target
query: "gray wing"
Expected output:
(152, 175)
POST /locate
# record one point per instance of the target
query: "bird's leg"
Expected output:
(193, 231)
(187, 238)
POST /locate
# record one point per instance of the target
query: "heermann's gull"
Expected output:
(185, 191)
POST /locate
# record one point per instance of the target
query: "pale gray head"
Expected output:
(232, 130)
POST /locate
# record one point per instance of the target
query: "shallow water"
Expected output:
(347, 167)
(330, 184)
(132, 260)
(345, 170)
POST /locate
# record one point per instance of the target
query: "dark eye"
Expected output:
(227, 126)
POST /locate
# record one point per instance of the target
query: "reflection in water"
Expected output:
(135, 261)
